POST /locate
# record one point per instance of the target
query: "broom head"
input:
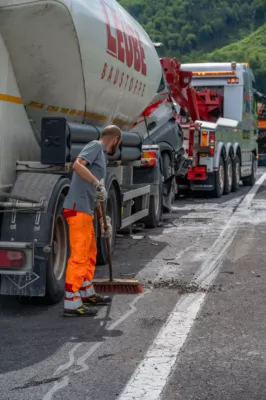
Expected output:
(123, 286)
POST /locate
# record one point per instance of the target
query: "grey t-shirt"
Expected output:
(82, 193)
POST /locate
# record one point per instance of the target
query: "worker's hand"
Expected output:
(101, 193)
(106, 233)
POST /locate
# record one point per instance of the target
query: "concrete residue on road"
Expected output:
(184, 287)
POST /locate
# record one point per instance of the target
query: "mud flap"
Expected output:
(31, 284)
(167, 192)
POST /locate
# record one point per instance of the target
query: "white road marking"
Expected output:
(70, 362)
(246, 203)
(151, 376)
(57, 386)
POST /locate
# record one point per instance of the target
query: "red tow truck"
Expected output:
(218, 121)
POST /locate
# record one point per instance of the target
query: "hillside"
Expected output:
(199, 30)
(252, 49)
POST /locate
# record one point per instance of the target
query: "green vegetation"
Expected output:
(252, 49)
(207, 30)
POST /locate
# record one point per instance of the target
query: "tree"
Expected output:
(194, 29)
(205, 33)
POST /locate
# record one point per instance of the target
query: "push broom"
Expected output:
(111, 285)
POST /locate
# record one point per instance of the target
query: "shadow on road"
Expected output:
(30, 334)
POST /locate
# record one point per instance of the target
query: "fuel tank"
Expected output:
(87, 60)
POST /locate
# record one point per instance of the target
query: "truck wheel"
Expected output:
(228, 175)
(155, 210)
(112, 212)
(57, 262)
(219, 180)
(166, 167)
(250, 180)
(236, 174)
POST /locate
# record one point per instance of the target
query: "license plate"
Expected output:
(185, 167)
(187, 163)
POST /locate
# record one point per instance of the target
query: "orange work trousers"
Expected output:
(81, 264)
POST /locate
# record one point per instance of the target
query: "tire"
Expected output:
(57, 261)
(155, 210)
(112, 212)
(166, 167)
(250, 180)
(236, 174)
(219, 180)
(228, 175)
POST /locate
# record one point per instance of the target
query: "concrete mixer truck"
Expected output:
(68, 68)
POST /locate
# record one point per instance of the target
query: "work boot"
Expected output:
(97, 300)
(82, 311)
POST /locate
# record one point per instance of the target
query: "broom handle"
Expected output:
(107, 243)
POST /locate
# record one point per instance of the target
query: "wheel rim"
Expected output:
(172, 193)
(221, 177)
(237, 173)
(167, 172)
(230, 175)
(174, 190)
(157, 203)
(60, 247)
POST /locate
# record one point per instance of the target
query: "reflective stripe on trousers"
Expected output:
(87, 289)
(72, 301)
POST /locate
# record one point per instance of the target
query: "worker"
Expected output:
(87, 189)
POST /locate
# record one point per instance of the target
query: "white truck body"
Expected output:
(17, 140)
(54, 70)
(72, 60)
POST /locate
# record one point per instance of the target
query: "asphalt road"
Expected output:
(197, 332)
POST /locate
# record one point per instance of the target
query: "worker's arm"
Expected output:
(87, 156)
(80, 168)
